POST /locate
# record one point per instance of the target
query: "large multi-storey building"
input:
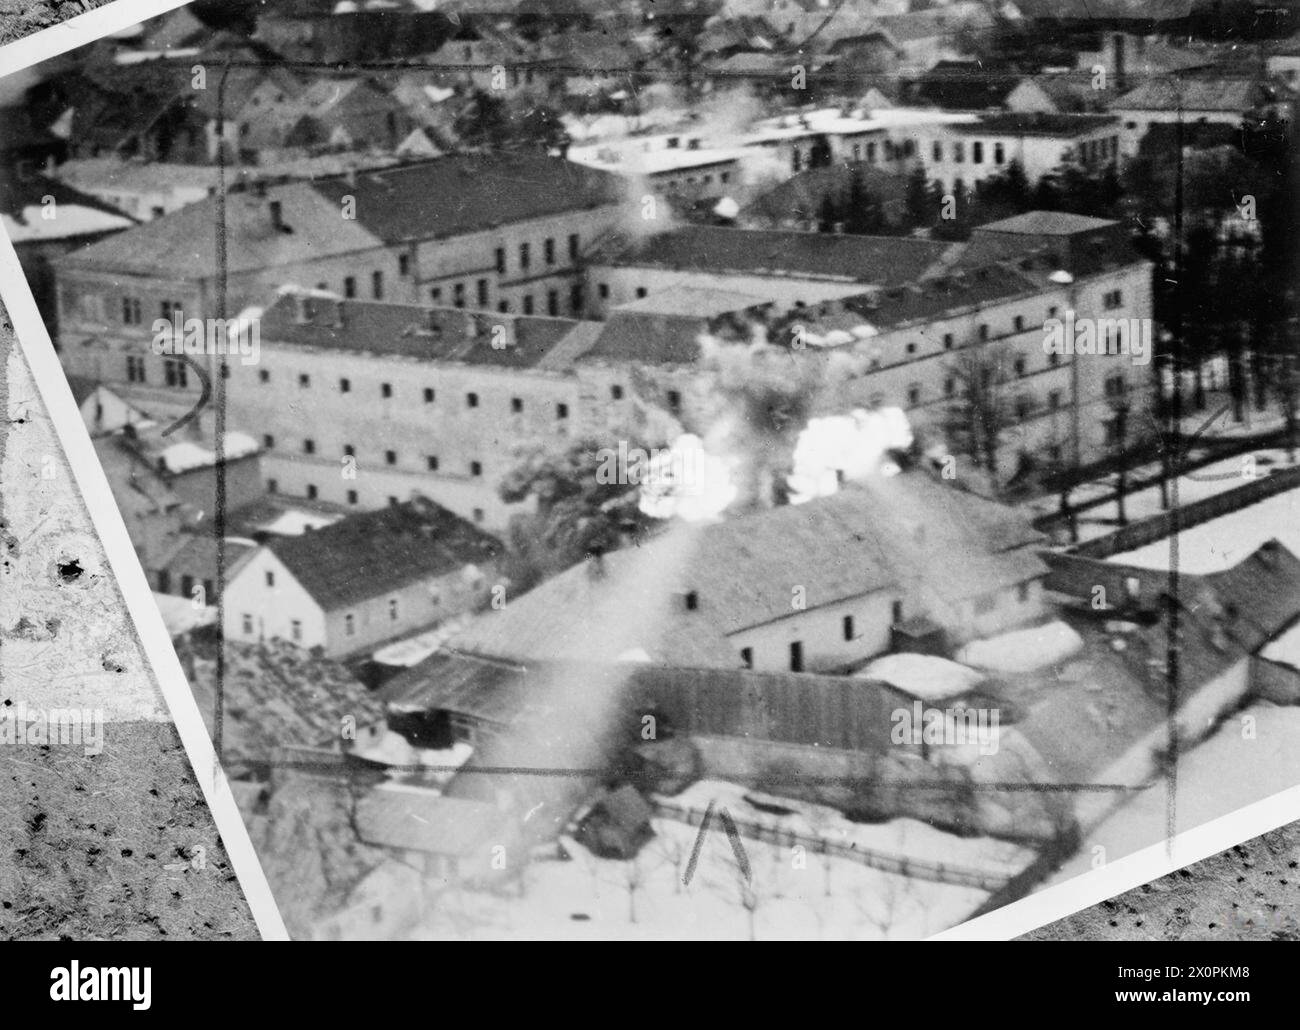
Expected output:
(505, 232)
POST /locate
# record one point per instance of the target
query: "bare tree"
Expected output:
(981, 411)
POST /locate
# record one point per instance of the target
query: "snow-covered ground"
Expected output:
(1224, 542)
(1197, 485)
(791, 895)
(1243, 762)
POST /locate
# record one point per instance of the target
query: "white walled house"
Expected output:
(361, 581)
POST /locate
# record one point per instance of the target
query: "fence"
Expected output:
(1166, 523)
(918, 868)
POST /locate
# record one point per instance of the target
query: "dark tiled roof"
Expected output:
(463, 193)
(886, 260)
(413, 331)
(369, 554)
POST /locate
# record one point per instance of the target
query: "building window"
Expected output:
(312, 492)
(914, 395)
(516, 405)
(428, 395)
(392, 609)
(263, 375)
(1054, 400)
(385, 390)
(134, 369)
(1114, 299)
(959, 151)
(349, 625)
(304, 380)
(549, 250)
(525, 258)
(345, 386)
(1020, 323)
(1024, 406)
(175, 373)
(403, 264)
(131, 311)
(352, 497)
(936, 151)
(435, 295)
(432, 462)
(295, 630)
(482, 293)
(528, 303)
(1019, 366)
(984, 331)
(747, 656)
(692, 600)
(501, 260)
(248, 625)
(272, 486)
(1022, 592)
(947, 341)
(270, 578)
(896, 613)
(561, 411)
(573, 246)
(949, 386)
(999, 154)
(640, 292)
(575, 298)
(503, 306)
(847, 626)
(977, 152)
(377, 285)
(268, 441)
(553, 302)
(349, 450)
(471, 400)
(674, 402)
(476, 468)
(616, 392)
(309, 446)
(796, 656)
(458, 295)
(602, 291)
(390, 457)
(350, 286)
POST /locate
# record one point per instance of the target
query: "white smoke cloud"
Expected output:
(846, 448)
(685, 481)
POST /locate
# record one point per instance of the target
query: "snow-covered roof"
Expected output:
(69, 220)
(187, 455)
(927, 677)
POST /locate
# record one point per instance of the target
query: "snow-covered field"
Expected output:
(1223, 542)
(790, 896)
(1243, 762)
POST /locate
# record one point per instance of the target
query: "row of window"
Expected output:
(430, 395)
(390, 457)
(977, 152)
(312, 493)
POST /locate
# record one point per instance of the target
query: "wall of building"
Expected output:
(255, 611)
(821, 631)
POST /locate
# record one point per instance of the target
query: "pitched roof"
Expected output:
(1230, 94)
(372, 553)
(477, 191)
(885, 260)
(183, 244)
(114, 173)
(907, 532)
(1047, 223)
(413, 331)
